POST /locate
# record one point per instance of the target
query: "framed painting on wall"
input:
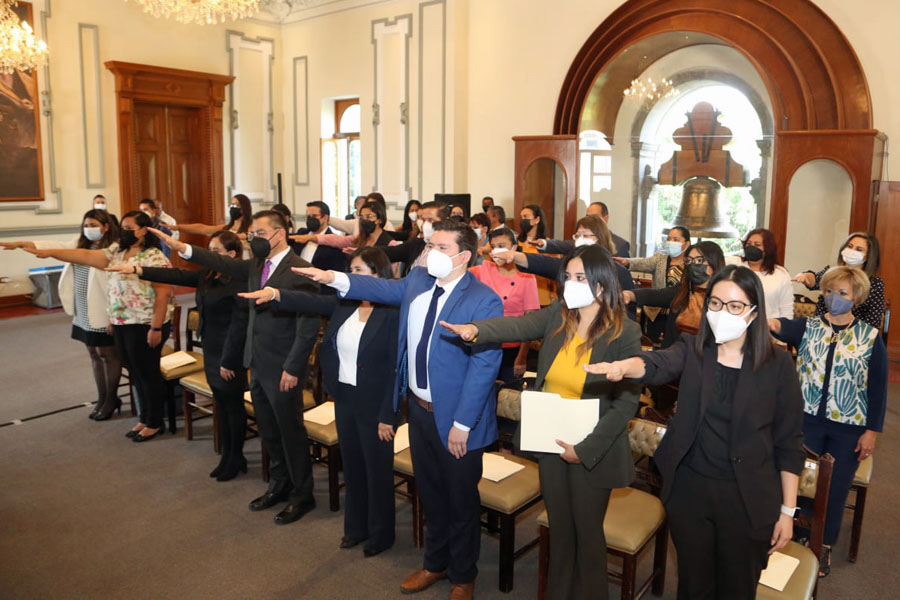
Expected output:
(21, 173)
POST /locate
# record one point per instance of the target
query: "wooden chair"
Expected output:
(197, 396)
(325, 438)
(633, 519)
(814, 483)
(861, 488)
(171, 376)
(403, 470)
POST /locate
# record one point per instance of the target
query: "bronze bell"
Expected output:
(700, 212)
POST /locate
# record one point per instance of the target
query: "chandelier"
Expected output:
(651, 89)
(19, 51)
(201, 12)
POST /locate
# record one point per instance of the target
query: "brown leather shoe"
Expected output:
(421, 580)
(462, 591)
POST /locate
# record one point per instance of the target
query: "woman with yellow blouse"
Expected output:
(588, 323)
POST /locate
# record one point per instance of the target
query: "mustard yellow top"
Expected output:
(566, 375)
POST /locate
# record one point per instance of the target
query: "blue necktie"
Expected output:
(422, 348)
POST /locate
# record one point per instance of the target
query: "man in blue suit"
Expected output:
(450, 387)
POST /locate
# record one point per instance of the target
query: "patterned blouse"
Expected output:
(131, 299)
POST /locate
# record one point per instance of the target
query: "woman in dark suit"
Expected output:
(358, 355)
(588, 324)
(223, 328)
(733, 452)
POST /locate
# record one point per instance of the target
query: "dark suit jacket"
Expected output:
(766, 423)
(277, 340)
(461, 377)
(326, 257)
(606, 452)
(377, 353)
(548, 266)
(407, 252)
(623, 246)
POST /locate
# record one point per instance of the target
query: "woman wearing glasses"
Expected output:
(733, 452)
(843, 369)
(685, 302)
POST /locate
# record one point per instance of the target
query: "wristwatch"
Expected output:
(788, 511)
(160, 329)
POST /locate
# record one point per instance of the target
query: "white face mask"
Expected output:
(93, 233)
(853, 257)
(413, 215)
(673, 249)
(584, 241)
(477, 231)
(100, 206)
(148, 213)
(439, 264)
(578, 295)
(726, 326)
(427, 230)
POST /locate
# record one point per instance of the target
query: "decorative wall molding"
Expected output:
(443, 93)
(294, 11)
(47, 147)
(236, 41)
(385, 116)
(301, 128)
(91, 105)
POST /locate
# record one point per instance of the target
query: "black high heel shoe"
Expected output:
(97, 406)
(105, 415)
(146, 438)
(231, 470)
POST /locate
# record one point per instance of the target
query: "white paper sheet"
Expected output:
(401, 438)
(323, 414)
(549, 417)
(779, 570)
(496, 468)
(176, 360)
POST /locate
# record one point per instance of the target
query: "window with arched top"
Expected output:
(595, 166)
(341, 157)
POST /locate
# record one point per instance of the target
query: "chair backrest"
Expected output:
(191, 330)
(804, 306)
(815, 481)
(645, 436)
(509, 404)
(176, 322)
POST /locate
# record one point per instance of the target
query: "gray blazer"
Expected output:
(658, 265)
(606, 452)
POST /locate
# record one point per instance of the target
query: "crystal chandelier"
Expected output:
(19, 51)
(651, 89)
(201, 12)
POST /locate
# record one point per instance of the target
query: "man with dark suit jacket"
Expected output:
(321, 257)
(412, 252)
(277, 351)
(623, 246)
(450, 387)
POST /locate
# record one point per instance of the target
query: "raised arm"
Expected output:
(661, 297)
(334, 240)
(294, 300)
(235, 267)
(77, 256)
(196, 228)
(543, 266)
(531, 326)
(187, 278)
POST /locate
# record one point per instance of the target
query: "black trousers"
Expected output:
(448, 488)
(278, 415)
(719, 554)
(143, 367)
(576, 509)
(368, 465)
(840, 441)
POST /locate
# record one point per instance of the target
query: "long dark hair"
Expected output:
(375, 259)
(712, 252)
(758, 343)
(770, 247)
(538, 212)
(407, 222)
(142, 220)
(380, 218)
(873, 256)
(599, 269)
(112, 231)
(246, 214)
(285, 211)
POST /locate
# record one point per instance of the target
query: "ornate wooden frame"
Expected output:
(562, 149)
(819, 94)
(161, 85)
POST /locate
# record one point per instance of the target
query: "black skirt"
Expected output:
(91, 338)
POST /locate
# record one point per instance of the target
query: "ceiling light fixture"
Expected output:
(201, 12)
(19, 50)
(650, 89)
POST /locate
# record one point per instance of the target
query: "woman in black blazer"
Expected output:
(733, 452)
(223, 329)
(588, 323)
(358, 356)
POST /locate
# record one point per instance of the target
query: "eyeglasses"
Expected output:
(735, 307)
(699, 260)
(579, 236)
(260, 233)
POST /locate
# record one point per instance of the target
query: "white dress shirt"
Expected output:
(309, 250)
(418, 309)
(348, 338)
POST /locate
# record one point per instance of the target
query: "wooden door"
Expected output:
(540, 186)
(886, 219)
(170, 164)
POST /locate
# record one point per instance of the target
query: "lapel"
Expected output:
(447, 309)
(708, 379)
(373, 325)
(742, 395)
(417, 282)
(550, 348)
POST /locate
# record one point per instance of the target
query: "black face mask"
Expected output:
(260, 247)
(235, 213)
(127, 239)
(458, 218)
(366, 227)
(313, 224)
(525, 224)
(696, 274)
(752, 253)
